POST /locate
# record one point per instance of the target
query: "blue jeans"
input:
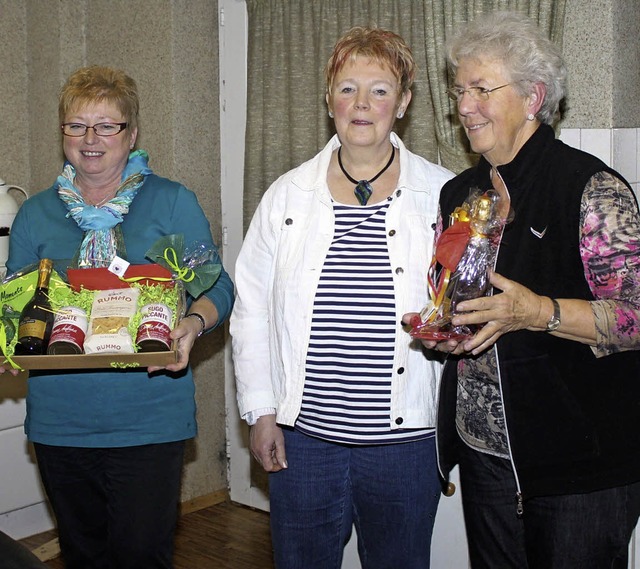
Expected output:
(116, 508)
(576, 531)
(389, 492)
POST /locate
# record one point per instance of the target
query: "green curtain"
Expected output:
(288, 46)
(442, 17)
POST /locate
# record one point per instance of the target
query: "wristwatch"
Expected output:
(554, 321)
(200, 318)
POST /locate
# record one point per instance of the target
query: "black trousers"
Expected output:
(116, 508)
(575, 531)
(14, 556)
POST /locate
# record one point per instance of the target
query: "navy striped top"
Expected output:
(347, 391)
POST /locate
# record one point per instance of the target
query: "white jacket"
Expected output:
(277, 273)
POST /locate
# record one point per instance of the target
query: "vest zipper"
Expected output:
(519, 497)
(519, 504)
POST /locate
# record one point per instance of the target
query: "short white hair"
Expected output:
(527, 54)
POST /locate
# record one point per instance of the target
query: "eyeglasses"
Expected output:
(101, 129)
(477, 93)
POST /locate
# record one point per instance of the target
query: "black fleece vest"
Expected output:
(573, 420)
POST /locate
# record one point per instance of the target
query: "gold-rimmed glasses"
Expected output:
(477, 93)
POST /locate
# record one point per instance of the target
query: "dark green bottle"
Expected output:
(36, 318)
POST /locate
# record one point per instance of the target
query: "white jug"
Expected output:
(8, 206)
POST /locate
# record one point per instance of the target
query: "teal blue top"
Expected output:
(112, 408)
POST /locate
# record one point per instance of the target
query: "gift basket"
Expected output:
(55, 317)
(459, 271)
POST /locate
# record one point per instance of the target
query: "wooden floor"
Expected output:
(224, 536)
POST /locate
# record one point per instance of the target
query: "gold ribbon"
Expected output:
(461, 213)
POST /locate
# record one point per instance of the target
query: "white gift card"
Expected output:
(119, 266)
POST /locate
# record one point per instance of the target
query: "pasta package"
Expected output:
(111, 312)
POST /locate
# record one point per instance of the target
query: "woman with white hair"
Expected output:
(541, 407)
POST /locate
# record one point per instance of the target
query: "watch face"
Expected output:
(554, 321)
(553, 324)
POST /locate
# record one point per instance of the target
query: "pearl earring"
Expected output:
(330, 115)
(400, 115)
(530, 117)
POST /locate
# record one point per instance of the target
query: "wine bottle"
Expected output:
(36, 318)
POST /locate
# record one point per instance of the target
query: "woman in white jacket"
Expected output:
(341, 404)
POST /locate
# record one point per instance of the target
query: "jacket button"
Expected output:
(449, 490)
(392, 233)
(288, 221)
(400, 370)
(399, 271)
(399, 421)
(399, 193)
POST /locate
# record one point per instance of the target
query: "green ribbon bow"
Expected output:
(197, 276)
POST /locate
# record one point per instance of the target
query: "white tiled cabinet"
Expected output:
(23, 509)
(617, 147)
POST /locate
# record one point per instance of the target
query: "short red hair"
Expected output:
(380, 45)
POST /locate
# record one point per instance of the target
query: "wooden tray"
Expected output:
(93, 361)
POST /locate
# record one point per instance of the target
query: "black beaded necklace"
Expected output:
(363, 189)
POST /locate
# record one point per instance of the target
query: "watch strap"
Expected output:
(203, 324)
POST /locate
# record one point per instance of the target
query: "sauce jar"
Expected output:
(68, 332)
(155, 328)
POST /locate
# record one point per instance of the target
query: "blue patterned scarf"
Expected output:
(103, 236)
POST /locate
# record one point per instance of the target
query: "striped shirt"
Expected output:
(349, 366)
